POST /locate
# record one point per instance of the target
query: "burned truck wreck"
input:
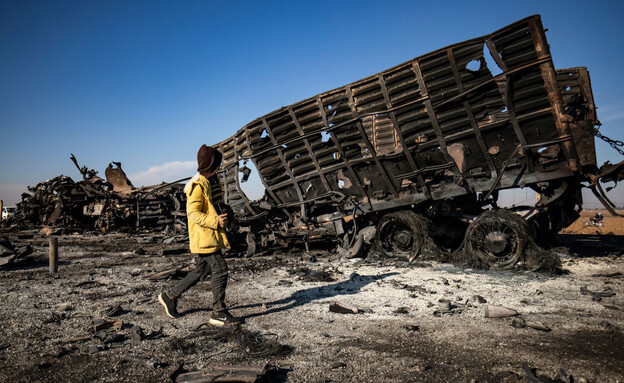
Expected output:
(104, 205)
(420, 152)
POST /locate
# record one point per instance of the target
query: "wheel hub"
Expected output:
(403, 239)
(496, 242)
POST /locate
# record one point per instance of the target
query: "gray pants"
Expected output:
(207, 263)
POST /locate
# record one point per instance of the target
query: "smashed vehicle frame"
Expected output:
(421, 151)
(113, 204)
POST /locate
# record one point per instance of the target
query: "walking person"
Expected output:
(207, 238)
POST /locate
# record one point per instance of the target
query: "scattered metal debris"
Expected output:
(9, 253)
(342, 308)
(598, 295)
(145, 361)
(224, 374)
(522, 323)
(113, 311)
(530, 374)
(492, 311)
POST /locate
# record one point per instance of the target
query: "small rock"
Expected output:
(136, 333)
(114, 338)
(401, 310)
(444, 306)
(479, 299)
(308, 258)
(169, 241)
(338, 365)
(412, 327)
(93, 348)
(140, 251)
(146, 239)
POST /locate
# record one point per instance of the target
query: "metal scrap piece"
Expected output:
(598, 295)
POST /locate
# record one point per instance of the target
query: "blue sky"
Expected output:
(147, 82)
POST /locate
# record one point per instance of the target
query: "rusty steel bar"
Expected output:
(380, 167)
(237, 183)
(471, 117)
(317, 166)
(352, 172)
(516, 126)
(552, 89)
(371, 149)
(496, 56)
(432, 116)
(240, 190)
(397, 129)
(266, 186)
(280, 153)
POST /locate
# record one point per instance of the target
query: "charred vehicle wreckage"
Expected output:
(107, 205)
(410, 160)
(415, 157)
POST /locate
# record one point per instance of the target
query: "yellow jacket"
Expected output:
(205, 235)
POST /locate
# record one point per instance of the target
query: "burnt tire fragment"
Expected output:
(402, 234)
(496, 239)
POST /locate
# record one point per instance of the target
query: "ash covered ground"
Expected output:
(417, 322)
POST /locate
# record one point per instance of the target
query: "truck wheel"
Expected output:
(496, 238)
(401, 234)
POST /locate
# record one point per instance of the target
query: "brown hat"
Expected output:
(208, 161)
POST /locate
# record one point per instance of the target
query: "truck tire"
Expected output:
(496, 239)
(402, 234)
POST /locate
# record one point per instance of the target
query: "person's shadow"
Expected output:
(301, 297)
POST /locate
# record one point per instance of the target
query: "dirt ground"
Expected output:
(402, 333)
(611, 224)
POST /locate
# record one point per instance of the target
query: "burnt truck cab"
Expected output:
(421, 150)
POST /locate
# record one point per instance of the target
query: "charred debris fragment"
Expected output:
(408, 162)
(107, 205)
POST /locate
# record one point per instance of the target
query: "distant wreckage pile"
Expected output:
(61, 204)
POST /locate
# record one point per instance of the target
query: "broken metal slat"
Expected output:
(496, 55)
(371, 149)
(280, 153)
(237, 184)
(309, 149)
(471, 117)
(549, 77)
(493, 79)
(397, 129)
(516, 126)
(380, 167)
(326, 170)
(489, 126)
(426, 169)
(384, 91)
(266, 185)
(223, 177)
(352, 172)
(432, 116)
(327, 128)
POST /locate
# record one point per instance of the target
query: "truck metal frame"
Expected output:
(437, 136)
